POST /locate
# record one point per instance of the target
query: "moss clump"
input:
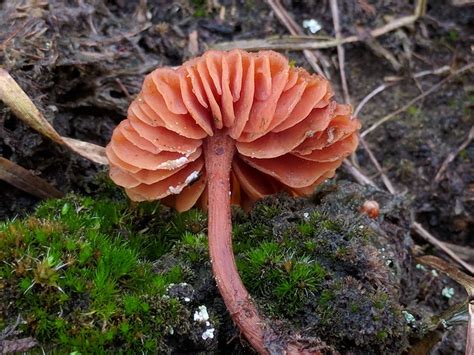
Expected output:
(80, 273)
(319, 266)
(104, 275)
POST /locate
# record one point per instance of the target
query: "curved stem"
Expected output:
(219, 151)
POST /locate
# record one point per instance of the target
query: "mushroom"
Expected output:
(230, 127)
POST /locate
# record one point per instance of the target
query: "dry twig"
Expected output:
(301, 43)
(340, 50)
(416, 99)
(394, 80)
(452, 156)
(359, 176)
(422, 232)
(388, 184)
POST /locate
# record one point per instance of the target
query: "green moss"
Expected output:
(82, 274)
(95, 276)
(413, 111)
(200, 8)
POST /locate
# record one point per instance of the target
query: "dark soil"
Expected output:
(82, 63)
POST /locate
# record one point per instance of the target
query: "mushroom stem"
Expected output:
(219, 151)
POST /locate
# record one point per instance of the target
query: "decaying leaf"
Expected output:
(19, 102)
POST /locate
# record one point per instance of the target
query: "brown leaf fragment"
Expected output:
(24, 180)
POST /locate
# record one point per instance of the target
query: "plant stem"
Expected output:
(219, 151)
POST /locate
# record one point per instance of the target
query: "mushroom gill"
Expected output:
(287, 130)
(230, 127)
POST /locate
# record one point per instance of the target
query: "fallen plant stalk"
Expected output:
(301, 43)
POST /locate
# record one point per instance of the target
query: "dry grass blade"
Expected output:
(340, 50)
(23, 108)
(372, 94)
(395, 80)
(24, 180)
(360, 177)
(388, 184)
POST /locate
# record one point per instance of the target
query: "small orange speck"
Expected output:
(371, 208)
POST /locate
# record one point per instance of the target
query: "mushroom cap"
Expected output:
(289, 133)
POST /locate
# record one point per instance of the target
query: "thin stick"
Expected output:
(394, 80)
(360, 177)
(388, 184)
(302, 43)
(422, 232)
(371, 95)
(124, 89)
(416, 99)
(465, 252)
(25, 180)
(340, 50)
(452, 156)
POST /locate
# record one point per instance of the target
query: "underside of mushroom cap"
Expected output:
(289, 133)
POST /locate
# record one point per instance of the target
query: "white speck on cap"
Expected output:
(173, 164)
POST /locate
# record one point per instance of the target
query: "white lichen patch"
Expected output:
(312, 25)
(420, 267)
(448, 292)
(173, 164)
(201, 314)
(208, 334)
(409, 317)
